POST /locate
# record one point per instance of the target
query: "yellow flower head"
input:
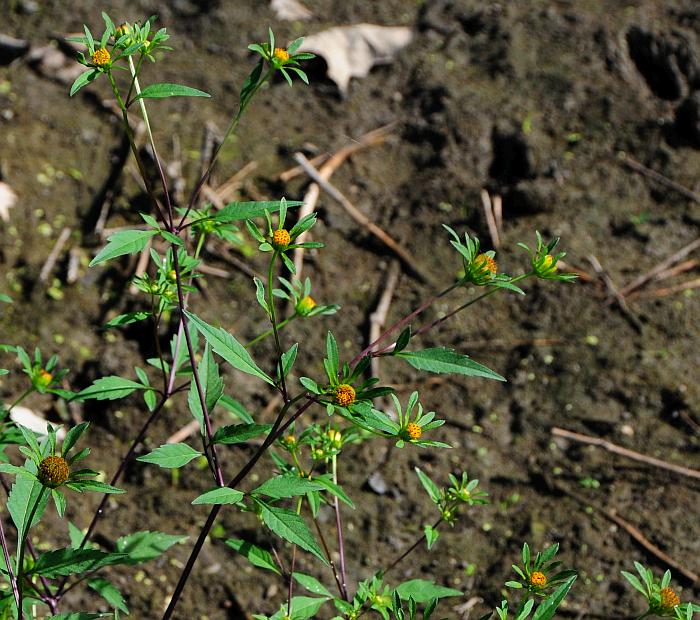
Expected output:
(101, 57)
(121, 30)
(53, 471)
(281, 238)
(305, 305)
(281, 54)
(414, 431)
(669, 599)
(481, 270)
(335, 437)
(43, 379)
(538, 579)
(344, 395)
(485, 262)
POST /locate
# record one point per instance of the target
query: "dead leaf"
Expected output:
(351, 51)
(290, 10)
(7, 200)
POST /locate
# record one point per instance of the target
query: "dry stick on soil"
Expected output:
(633, 164)
(612, 290)
(362, 219)
(632, 530)
(377, 319)
(671, 290)
(630, 454)
(490, 219)
(662, 266)
(377, 136)
(54, 254)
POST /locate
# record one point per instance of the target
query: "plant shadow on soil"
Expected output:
(532, 100)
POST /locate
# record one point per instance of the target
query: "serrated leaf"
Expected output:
(109, 593)
(303, 607)
(69, 561)
(238, 433)
(334, 489)
(171, 455)
(96, 487)
(287, 486)
(229, 348)
(220, 495)
(291, 527)
(145, 546)
(23, 496)
(312, 584)
(123, 242)
(255, 555)
(440, 360)
(109, 388)
(422, 591)
(162, 90)
(548, 607)
(237, 211)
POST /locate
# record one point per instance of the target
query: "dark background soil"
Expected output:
(533, 100)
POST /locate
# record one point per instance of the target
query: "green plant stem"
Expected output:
(271, 331)
(134, 149)
(339, 531)
(146, 121)
(300, 500)
(21, 548)
(465, 305)
(231, 129)
(403, 322)
(8, 563)
(21, 397)
(273, 320)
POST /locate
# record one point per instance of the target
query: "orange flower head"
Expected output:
(43, 379)
(101, 57)
(281, 54)
(414, 431)
(281, 238)
(538, 579)
(485, 262)
(344, 395)
(669, 599)
(53, 471)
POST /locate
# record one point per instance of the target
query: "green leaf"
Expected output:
(212, 385)
(78, 615)
(170, 455)
(220, 495)
(96, 487)
(423, 591)
(109, 388)
(288, 525)
(287, 486)
(126, 319)
(72, 437)
(24, 495)
(328, 485)
(432, 488)
(238, 433)
(237, 211)
(163, 90)
(109, 593)
(441, 360)
(333, 360)
(431, 535)
(229, 348)
(236, 409)
(312, 584)
(83, 79)
(303, 607)
(636, 584)
(289, 357)
(145, 546)
(69, 561)
(255, 555)
(548, 607)
(123, 242)
(5, 298)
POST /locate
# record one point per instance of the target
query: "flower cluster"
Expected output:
(283, 59)
(540, 575)
(661, 599)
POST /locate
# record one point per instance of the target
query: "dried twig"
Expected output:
(362, 219)
(632, 530)
(377, 136)
(54, 254)
(378, 318)
(490, 219)
(661, 267)
(186, 431)
(671, 290)
(633, 164)
(614, 292)
(630, 454)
